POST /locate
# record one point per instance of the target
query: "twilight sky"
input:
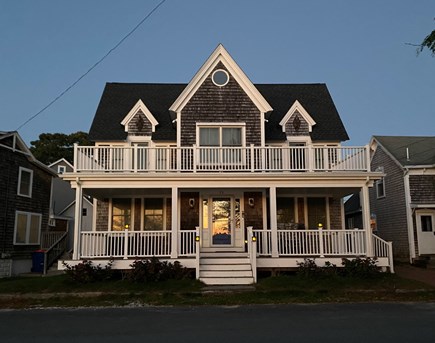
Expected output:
(379, 85)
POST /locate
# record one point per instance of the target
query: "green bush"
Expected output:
(86, 272)
(360, 267)
(309, 269)
(154, 270)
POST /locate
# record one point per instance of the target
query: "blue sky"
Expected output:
(357, 48)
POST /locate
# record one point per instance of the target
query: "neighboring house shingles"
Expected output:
(213, 162)
(403, 201)
(25, 186)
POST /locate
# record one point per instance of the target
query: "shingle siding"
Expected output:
(102, 221)
(422, 189)
(297, 126)
(139, 125)
(390, 210)
(213, 104)
(335, 213)
(10, 201)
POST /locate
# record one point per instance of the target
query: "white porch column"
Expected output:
(174, 222)
(273, 221)
(78, 221)
(365, 207)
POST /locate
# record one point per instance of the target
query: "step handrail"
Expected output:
(55, 251)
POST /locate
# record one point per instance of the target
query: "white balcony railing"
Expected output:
(313, 242)
(230, 159)
(134, 244)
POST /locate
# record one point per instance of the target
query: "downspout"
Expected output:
(409, 215)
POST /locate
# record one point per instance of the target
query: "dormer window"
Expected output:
(220, 77)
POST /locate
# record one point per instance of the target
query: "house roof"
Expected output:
(410, 150)
(119, 98)
(353, 204)
(12, 140)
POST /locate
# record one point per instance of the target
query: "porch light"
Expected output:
(127, 226)
(196, 238)
(254, 239)
(320, 226)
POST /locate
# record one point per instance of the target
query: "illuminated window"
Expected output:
(121, 214)
(27, 228)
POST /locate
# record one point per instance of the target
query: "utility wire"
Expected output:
(94, 66)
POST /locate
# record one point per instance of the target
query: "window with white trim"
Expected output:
(380, 185)
(25, 182)
(61, 169)
(224, 137)
(27, 229)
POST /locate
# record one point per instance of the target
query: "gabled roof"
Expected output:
(12, 140)
(353, 204)
(119, 98)
(316, 100)
(61, 161)
(220, 55)
(303, 112)
(409, 150)
(139, 106)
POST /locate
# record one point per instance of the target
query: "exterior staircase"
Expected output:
(225, 268)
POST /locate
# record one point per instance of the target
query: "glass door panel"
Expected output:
(221, 221)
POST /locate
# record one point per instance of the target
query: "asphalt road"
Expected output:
(376, 322)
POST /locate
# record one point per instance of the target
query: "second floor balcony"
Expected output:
(196, 159)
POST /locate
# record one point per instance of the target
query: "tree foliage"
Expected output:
(51, 147)
(429, 42)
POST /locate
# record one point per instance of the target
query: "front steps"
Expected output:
(225, 268)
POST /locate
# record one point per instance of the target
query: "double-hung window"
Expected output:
(25, 181)
(221, 144)
(27, 228)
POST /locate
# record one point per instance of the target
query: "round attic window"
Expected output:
(220, 77)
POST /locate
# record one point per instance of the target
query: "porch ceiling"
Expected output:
(100, 193)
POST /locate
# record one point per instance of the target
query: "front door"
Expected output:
(222, 222)
(426, 231)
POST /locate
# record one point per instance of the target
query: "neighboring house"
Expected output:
(353, 212)
(63, 203)
(25, 185)
(403, 201)
(225, 176)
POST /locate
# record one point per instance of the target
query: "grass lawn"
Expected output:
(60, 291)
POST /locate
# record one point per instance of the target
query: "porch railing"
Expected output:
(130, 244)
(48, 239)
(208, 159)
(383, 248)
(55, 250)
(313, 242)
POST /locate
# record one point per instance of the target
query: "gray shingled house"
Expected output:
(25, 189)
(221, 174)
(403, 201)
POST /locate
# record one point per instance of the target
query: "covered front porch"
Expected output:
(272, 227)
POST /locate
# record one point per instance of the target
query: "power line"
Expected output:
(94, 66)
